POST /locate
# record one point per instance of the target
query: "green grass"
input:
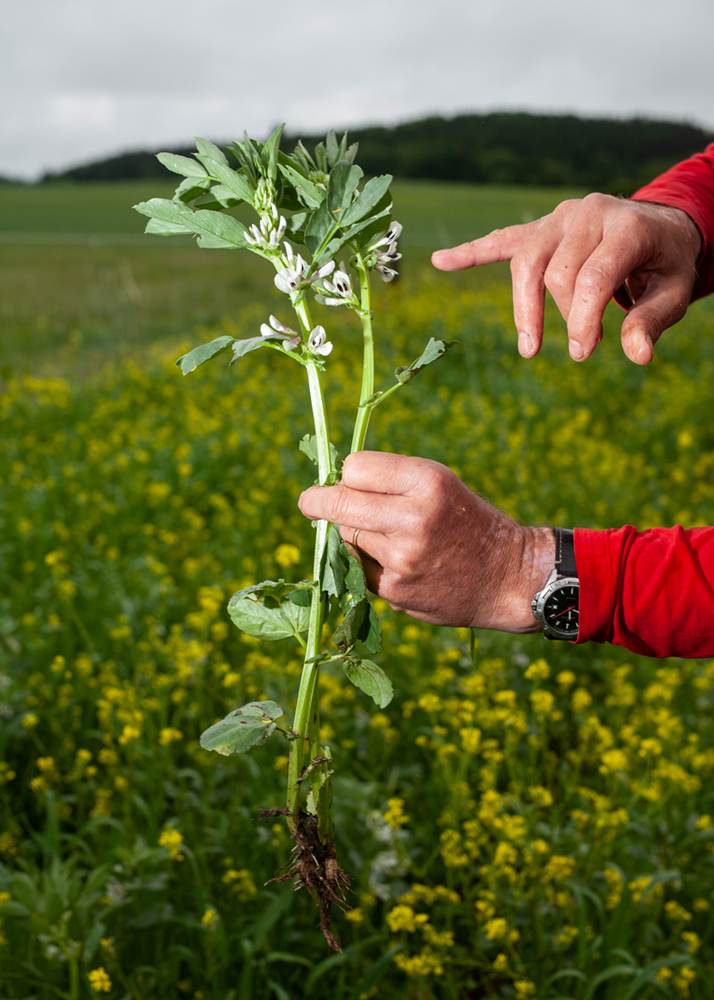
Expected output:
(76, 270)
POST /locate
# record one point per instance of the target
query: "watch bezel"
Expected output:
(538, 606)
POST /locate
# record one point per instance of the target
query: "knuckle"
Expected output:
(595, 277)
(522, 262)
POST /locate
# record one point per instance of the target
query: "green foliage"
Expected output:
(242, 728)
(433, 350)
(250, 612)
(190, 362)
(368, 677)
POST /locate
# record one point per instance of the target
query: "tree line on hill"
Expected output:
(612, 155)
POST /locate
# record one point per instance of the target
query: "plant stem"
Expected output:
(365, 314)
(307, 723)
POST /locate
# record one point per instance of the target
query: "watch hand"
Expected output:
(571, 608)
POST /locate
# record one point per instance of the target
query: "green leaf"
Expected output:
(371, 225)
(310, 194)
(237, 184)
(332, 579)
(159, 228)
(207, 148)
(355, 583)
(262, 621)
(332, 148)
(308, 446)
(183, 165)
(269, 153)
(212, 228)
(219, 196)
(243, 156)
(243, 347)
(319, 226)
(302, 158)
(370, 678)
(344, 178)
(374, 190)
(242, 728)
(190, 362)
(190, 189)
(360, 623)
(433, 350)
(321, 157)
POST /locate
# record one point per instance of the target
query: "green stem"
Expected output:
(365, 314)
(307, 722)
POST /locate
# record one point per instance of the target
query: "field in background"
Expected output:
(537, 824)
(76, 269)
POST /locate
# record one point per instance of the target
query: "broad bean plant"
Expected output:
(325, 233)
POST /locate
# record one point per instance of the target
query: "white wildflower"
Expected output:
(318, 342)
(278, 331)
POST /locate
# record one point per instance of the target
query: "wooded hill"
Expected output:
(503, 148)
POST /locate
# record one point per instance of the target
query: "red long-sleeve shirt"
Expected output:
(653, 591)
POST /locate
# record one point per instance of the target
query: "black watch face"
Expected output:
(560, 610)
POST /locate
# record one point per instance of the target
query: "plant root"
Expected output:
(313, 866)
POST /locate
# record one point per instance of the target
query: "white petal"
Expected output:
(326, 269)
(265, 330)
(324, 301)
(282, 284)
(277, 325)
(288, 251)
(282, 225)
(324, 349)
(317, 337)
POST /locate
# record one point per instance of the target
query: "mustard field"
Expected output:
(535, 822)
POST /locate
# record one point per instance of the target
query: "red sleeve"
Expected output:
(650, 591)
(690, 186)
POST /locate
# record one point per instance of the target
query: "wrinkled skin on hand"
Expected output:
(583, 252)
(432, 547)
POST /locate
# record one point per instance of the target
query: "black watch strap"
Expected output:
(565, 552)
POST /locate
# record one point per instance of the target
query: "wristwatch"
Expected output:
(555, 607)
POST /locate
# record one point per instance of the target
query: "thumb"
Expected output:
(499, 245)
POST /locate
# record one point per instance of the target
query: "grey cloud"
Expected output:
(82, 79)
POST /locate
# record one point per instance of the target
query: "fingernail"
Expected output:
(576, 351)
(525, 345)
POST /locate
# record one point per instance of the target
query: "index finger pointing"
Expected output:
(497, 246)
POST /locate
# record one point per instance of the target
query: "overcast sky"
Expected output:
(81, 79)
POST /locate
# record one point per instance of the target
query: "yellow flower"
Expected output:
(355, 916)
(171, 838)
(168, 735)
(538, 671)
(395, 815)
(403, 918)
(566, 678)
(30, 721)
(209, 918)
(287, 555)
(99, 980)
(675, 912)
(524, 989)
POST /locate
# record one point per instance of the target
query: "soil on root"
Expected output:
(313, 866)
